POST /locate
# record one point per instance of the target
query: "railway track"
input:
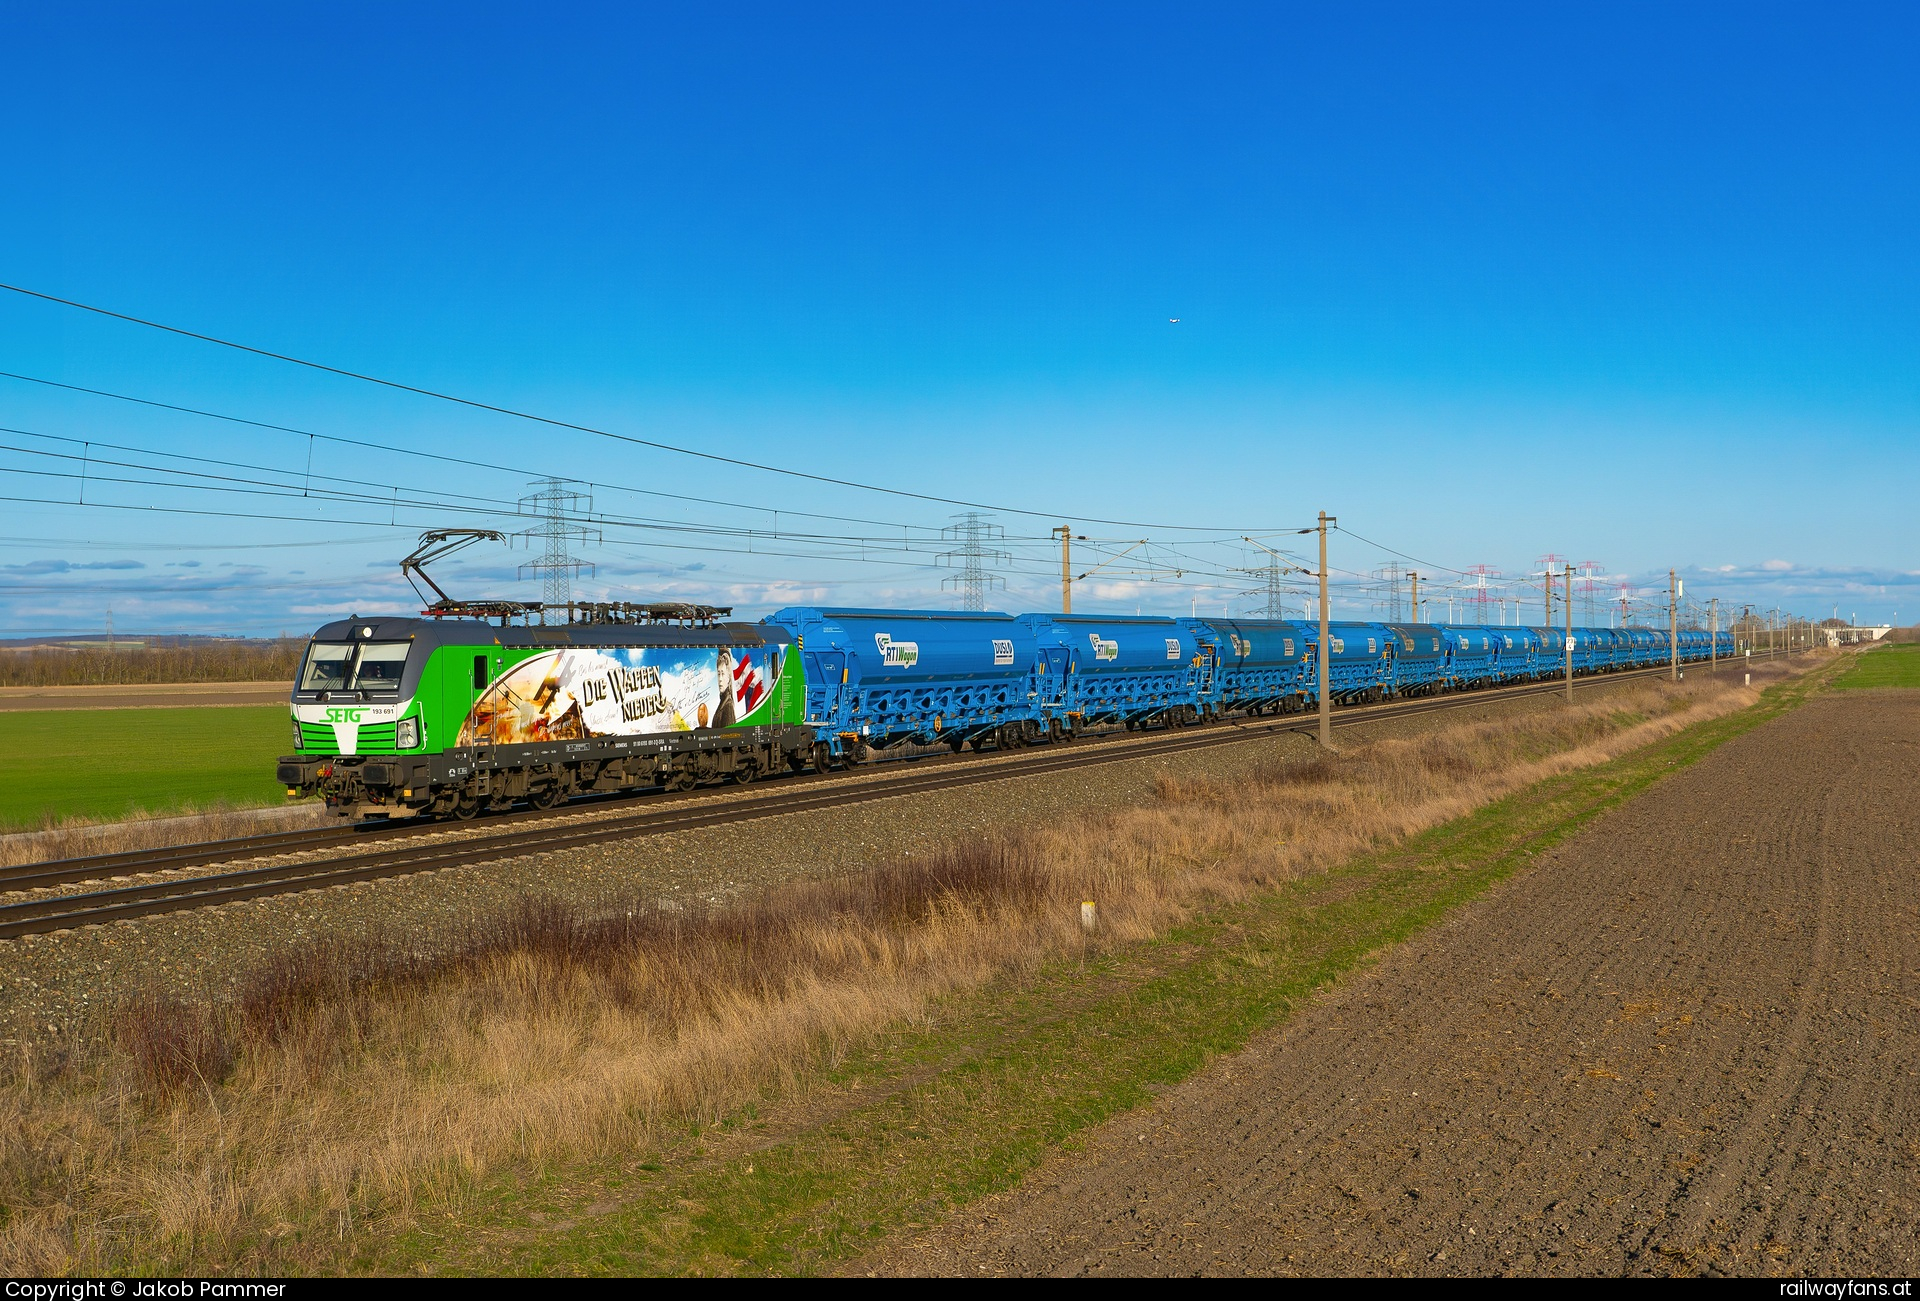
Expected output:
(545, 832)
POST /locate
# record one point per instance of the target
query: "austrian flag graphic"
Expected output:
(748, 687)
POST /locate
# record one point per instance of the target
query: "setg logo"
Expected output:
(344, 715)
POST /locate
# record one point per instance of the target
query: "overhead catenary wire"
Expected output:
(1433, 564)
(890, 547)
(398, 450)
(1191, 566)
(1346, 590)
(413, 526)
(555, 422)
(454, 500)
(457, 502)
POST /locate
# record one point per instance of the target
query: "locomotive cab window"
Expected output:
(368, 666)
(326, 667)
(380, 666)
(480, 675)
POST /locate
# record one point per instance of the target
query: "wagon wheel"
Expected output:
(956, 743)
(822, 758)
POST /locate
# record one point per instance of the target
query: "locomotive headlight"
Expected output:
(296, 734)
(407, 734)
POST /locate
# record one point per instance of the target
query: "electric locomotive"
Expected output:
(399, 717)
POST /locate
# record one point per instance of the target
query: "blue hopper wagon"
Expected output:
(1419, 658)
(1132, 671)
(1257, 666)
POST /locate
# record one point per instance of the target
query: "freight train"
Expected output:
(464, 709)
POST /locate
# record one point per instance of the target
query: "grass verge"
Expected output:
(116, 763)
(938, 1116)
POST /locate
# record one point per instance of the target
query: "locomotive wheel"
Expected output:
(796, 760)
(544, 798)
(467, 808)
(746, 771)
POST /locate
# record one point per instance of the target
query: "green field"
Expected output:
(106, 763)
(1884, 666)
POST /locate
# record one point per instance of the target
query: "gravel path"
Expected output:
(53, 984)
(1666, 1049)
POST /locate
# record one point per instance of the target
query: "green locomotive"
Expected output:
(450, 714)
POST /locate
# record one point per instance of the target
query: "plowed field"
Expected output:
(1687, 1041)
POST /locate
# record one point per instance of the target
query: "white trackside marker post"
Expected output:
(1089, 917)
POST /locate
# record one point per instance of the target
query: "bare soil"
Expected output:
(1685, 1042)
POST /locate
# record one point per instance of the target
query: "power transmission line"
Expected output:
(556, 568)
(1391, 576)
(972, 532)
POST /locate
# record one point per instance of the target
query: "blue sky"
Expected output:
(1628, 284)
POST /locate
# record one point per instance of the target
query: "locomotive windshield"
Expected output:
(327, 667)
(363, 666)
(380, 665)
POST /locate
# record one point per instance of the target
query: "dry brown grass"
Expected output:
(342, 1086)
(77, 837)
